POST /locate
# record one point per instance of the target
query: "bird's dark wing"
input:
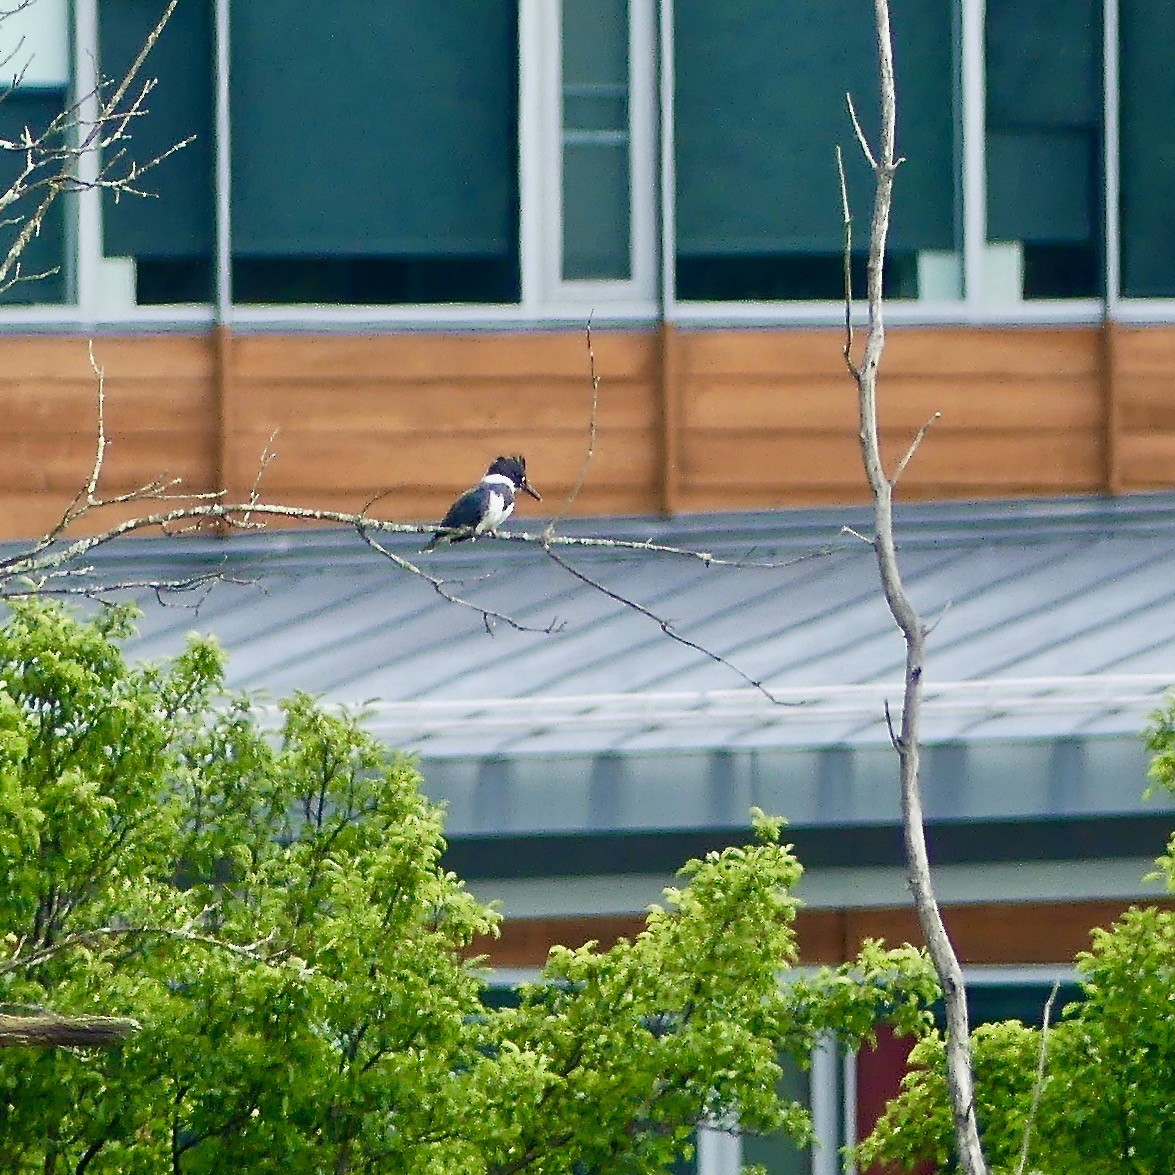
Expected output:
(468, 510)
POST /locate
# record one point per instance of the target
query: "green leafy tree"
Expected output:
(1104, 1104)
(271, 906)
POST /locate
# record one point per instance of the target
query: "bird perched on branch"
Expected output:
(482, 509)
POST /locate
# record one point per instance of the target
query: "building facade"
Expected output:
(391, 227)
(385, 240)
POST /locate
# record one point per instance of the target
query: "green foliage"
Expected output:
(271, 904)
(1105, 1104)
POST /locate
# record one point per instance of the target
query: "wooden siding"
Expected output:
(1011, 933)
(687, 420)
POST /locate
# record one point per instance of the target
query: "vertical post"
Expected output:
(826, 1118)
(668, 416)
(222, 357)
(667, 353)
(1111, 110)
(974, 155)
(223, 166)
(84, 251)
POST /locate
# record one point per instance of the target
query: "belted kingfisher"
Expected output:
(484, 508)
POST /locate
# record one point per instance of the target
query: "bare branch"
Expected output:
(665, 626)
(49, 1030)
(95, 126)
(960, 1078)
(1038, 1083)
(897, 473)
(848, 255)
(549, 530)
(488, 615)
(860, 133)
(101, 934)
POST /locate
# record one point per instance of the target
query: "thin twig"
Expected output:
(665, 626)
(1038, 1083)
(897, 473)
(848, 256)
(549, 529)
(860, 133)
(438, 585)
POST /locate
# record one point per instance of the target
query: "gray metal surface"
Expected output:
(1053, 639)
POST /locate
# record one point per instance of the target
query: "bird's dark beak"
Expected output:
(531, 490)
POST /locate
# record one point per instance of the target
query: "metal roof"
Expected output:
(1053, 639)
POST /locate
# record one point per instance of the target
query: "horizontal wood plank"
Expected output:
(53, 357)
(61, 462)
(421, 356)
(1147, 460)
(1144, 350)
(905, 403)
(343, 459)
(131, 406)
(966, 460)
(1027, 353)
(529, 405)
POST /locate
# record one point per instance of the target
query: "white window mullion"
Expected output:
(536, 20)
(1112, 144)
(222, 186)
(668, 175)
(643, 90)
(84, 228)
(974, 156)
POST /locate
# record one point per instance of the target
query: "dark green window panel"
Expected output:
(777, 1153)
(171, 234)
(1044, 140)
(760, 108)
(44, 254)
(1148, 147)
(375, 151)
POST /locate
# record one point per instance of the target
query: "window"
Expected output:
(375, 154)
(165, 241)
(1043, 150)
(759, 106)
(34, 46)
(592, 204)
(1147, 152)
(536, 159)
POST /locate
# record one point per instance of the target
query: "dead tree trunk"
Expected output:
(884, 163)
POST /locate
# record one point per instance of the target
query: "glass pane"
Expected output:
(169, 237)
(596, 162)
(1147, 157)
(42, 263)
(760, 109)
(34, 49)
(777, 1153)
(375, 151)
(1043, 123)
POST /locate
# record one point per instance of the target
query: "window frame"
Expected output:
(649, 297)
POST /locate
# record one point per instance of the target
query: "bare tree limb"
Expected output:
(49, 1030)
(885, 164)
(95, 126)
